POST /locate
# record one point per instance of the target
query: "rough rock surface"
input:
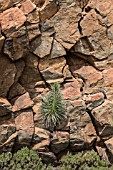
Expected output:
(47, 41)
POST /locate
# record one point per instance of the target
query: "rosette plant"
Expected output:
(53, 107)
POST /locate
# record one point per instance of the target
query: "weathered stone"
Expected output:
(5, 107)
(42, 46)
(85, 71)
(67, 74)
(80, 140)
(19, 33)
(68, 15)
(82, 132)
(46, 8)
(47, 29)
(109, 18)
(76, 109)
(33, 31)
(11, 20)
(22, 102)
(4, 4)
(41, 139)
(71, 90)
(59, 141)
(40, 135)
(102, 152)
(99, 43)
(16, 90)
(16, 48)
(33, 17)
(108, 77)
(20, 65)
(31, 74)
(8, 145)
(109, 93)
(27, 6)
(2, 39)
(57, 50)
(51, 69)
(7, 75)
(7, 128)
(48, 157)
(103, 6)
(39, 3)
(82, 3)
(109, 145)
(103, 116)
(94, 100)
(25, 127)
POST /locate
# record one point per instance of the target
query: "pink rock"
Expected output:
(25, 126)
(27, 6)
(59, 141)
(11, 19)
(5, 107)
(72, 90)
(22, 102)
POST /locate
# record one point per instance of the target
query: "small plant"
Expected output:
(80, 161)
(23, 159)
(53, 107)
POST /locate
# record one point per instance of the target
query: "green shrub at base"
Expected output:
(88, 161)
(23, 159)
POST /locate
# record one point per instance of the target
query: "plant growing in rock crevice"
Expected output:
(53, 107)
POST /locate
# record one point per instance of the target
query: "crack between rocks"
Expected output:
(44, 5)
(33, 131)
(79, 55)
(43, 79)
(92, 119)
(79, 26)
(102, 144)
(98, 12)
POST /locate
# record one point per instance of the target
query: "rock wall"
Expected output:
(68, 41)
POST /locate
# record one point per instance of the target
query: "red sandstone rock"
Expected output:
(4, 4)
(16, 90)
(80, 140)
(7, 129)
(52, 70)
(94, 100)
(65, 23)
(48, 157)
(46, 8)
(25, 127)
(59, 141)
(103, 115)
(22, 102)
(33, 17)
(30, 75)
(33, 31)
(16, 48)
(11, 20)
(7, 75)
(109, 145)
(41, 139)
(71, 90)
(42, 46)
(57, 50)
(5, 107)
(27, 6)
(108, 77)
